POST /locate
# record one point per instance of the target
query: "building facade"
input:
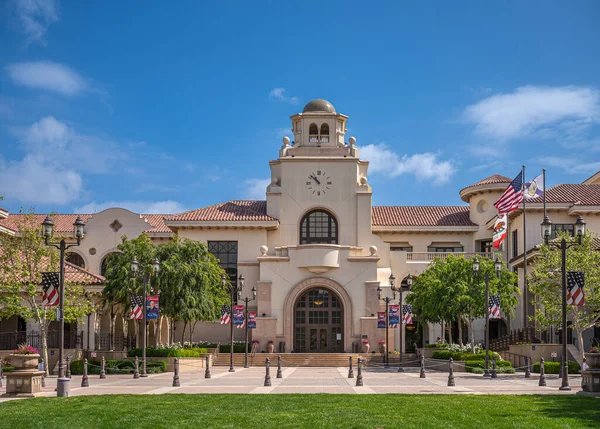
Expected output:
(317, 249)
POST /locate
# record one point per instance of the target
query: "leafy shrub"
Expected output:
(502, 366)
(8, 368)
(117, 366)
(167, 352)
(554, 367)
(436, 346)
(466, 356)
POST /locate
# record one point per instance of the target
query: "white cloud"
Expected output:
(256, 188)
(35, 16)
(543, 112)
(279, 94)
(571, 165)
(48, 76)
(424, 166)
(145, 207)
(56, 157)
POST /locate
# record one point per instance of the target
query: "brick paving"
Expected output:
(313, 380)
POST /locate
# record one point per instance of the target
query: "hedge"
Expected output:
(117, 366)
(8, 368)
(436, 346)
(447, 354)
(152, 352)
(554, 367)
(502, 366)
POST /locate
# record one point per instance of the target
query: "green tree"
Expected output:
(23, 258)
(545, 282)
(447, 291)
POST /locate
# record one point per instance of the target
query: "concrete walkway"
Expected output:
(313, 380)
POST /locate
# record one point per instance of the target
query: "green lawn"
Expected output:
(303, 411)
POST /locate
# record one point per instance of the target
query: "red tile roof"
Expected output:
(75, 274)
(157, 221)
(62, 222)
(496, 178)
(237, 210)
(421, 216)
(587, 195)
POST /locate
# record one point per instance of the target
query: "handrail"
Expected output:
(430, 256)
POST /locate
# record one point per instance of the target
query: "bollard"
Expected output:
(136, 368)
(451, 373)
(527, 367)
(68, 367)
(267, 375)
(63, 388)
(494, 373)
(542, 373)
(84, 378)
(102, 371)
(207, 370)
(279, 375)
(176, 372)
(422, 374)
(359, 380)
(350, 371)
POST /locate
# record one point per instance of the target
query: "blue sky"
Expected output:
(178, 105)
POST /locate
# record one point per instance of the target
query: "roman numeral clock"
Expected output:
(319, 183)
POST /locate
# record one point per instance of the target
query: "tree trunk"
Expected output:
(460, 336)
(193, 328)
(472, 334)
(158, 331)
(443, 335)
(190, 331)
(450, 333)
(44, 335)
(113, 319)
(169, 331)
(125, 331)
(183, 331)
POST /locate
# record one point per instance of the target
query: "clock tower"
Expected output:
(319, 171)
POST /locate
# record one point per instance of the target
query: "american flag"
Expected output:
(225, 315)
(512, 196)
(243, 325)
(407, 310)
(137, 304)
(51, 285)
(494, 308)
(575, 284)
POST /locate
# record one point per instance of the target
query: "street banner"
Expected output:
(238, 314)
(251, 319)
(394, 315)
(152, 307)
(381, 319)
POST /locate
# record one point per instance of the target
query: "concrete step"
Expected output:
(311, 359)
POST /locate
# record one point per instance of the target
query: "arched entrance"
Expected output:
(318, 322)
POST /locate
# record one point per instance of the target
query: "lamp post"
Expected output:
(145, 279)
(497, 269)
(246, 301)
(409, 281)
(387, 300)
(235, 295)
(47, 230)
(563, 246)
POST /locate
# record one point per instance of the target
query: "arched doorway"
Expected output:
(318, 322)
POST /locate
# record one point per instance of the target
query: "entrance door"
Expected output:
(318, 323)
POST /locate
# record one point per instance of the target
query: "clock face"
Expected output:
(318, 183)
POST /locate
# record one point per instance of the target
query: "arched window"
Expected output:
(313, 129)
(104, 264)
(325, 129)
(75, 259)
(318, 226)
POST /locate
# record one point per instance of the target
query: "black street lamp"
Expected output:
(497, 269)
(563, 246)
(48, 229)
(236, 292)
(409, 281)
(145, 280)
(387, 301)
(246, 301)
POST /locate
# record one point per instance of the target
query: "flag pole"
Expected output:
(544, 191)
(525, 291)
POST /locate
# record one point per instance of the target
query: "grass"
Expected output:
(303, 411)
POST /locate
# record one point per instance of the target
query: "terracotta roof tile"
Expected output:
(157, 221)
(586, 195)
(237, 210)
(496, 178)
(62, 222)
(421, 216)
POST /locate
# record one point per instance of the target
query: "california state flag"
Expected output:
(500, 230)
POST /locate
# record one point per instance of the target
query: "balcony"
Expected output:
(315, 138)
(426, 257)
(317, 258)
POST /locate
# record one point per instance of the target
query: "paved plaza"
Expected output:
(314, 380)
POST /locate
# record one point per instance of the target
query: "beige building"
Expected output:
(316, 248)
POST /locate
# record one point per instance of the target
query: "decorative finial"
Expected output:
(286, 141)
(352, 141)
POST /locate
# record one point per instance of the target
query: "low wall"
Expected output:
(185, 364)
(427, 352)
(516, 353)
